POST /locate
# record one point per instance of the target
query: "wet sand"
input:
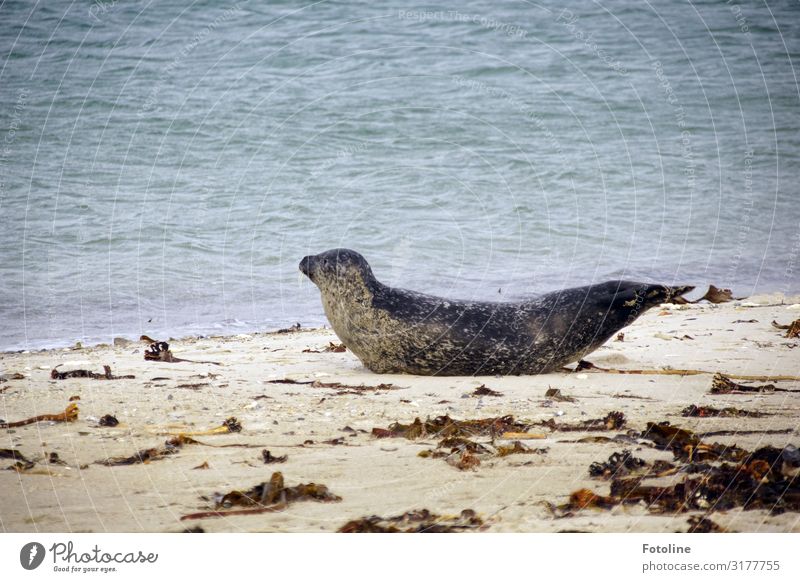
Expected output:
(372, 476)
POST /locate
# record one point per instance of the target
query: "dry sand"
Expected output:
(372, 476)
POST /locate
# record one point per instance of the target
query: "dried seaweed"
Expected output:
(158, 351)
(686, 445)
(585, 498)
(483, 390)
(792, 330)
(518, 448)
(417, 521)
(611, 421)
(106, 375)
(703, 524)
(193, 386)
(711, 412)
(14, 455)
(722, 384)
(523, 435)
(555, 394)
(618, 465)
(716, 477)
(331, 347)
(463, 461)
(70, 414)
(444, 426)
(54, 459)
(171, 447)
(341, 388)
(272, 495)
(716, 295)
(230, 425)
(584, 365)
(108, 420)
(290, 329)
(268, 458)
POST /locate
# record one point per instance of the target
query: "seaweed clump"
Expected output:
(417, 521)
(272, 495)
(716, 477)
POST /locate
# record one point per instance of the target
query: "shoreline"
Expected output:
(777, 298)
(375, 476)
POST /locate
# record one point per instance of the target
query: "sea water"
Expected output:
(166, 165)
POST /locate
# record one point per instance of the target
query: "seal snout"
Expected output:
(306, 265)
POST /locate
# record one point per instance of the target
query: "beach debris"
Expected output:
(466, 454)
(203, 466)
(416, 521)
(105, 375)
(713, 295)
(703, 524)
(463, 461)
(74, 398)
(193, 386)
(618, 465)
(70, 414)
(22, 463)
(722, 384)
(519, 448)
(744, 432)
(716, 295)
(26, 466)
(272, 495)
(586, 498)
(195, 529)
(54, 459)
(688, 446)
(268, 457)
(11, 376)
(338, 386)
(331, 347)
(612, 421)
(555, 394)
(715, 477)
(793, 329)
(230, 425)
(171, 447)
(158, 351)
(583, 365)
(290, 329)
(483, 390)
(523, 435)
(444, 426)
(620, 337)
(711, 412)
(108, 420)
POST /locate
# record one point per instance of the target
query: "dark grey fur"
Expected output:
(398, 331)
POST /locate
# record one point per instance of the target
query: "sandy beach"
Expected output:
(327, 432)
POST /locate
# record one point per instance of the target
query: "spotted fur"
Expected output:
(394, 330)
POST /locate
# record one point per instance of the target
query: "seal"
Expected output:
(394, 330)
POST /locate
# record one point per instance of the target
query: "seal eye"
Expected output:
(325, 262)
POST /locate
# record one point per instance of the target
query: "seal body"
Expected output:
(394, 330)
